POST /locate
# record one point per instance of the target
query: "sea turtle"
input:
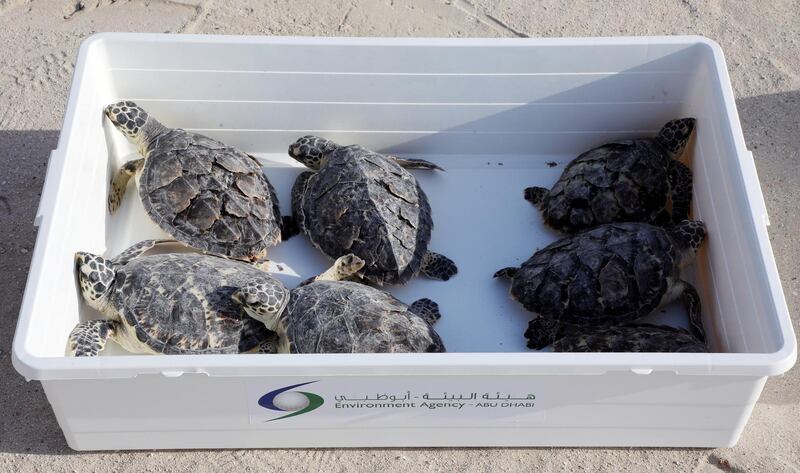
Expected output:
(361, 202)
(609, 275)
(175, 303)
(330, 315)
(625, 181)
(202, 192)
(634, 337)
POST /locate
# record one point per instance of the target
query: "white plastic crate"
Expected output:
(493, 112)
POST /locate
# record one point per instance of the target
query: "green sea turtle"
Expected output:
(625, 181)
(361, 202)
(202, 192)
(609, 275)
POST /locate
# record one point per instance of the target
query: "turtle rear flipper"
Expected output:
(438, 267)
(536, 195)
(120, 182)
(411, 163)
(426, 309)
(90, 337)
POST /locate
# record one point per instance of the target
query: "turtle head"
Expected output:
(687, 237)
(675, 135)
(312, 151)
(134, 122)
(96, 276)
(263, 300)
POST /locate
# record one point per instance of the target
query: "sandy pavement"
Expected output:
(38, 44)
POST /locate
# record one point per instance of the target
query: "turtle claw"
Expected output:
(438, 267)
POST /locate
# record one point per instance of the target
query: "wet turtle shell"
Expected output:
(209, 196)
(348, 317)
(360, 202)
(181, 304)
(631, 338)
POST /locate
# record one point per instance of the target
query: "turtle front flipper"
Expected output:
(412, 163)
(426, 309)
(543, 331)
(120, 182)
(138, 249)
(438, 267)
(343, 268)
(680, 183)
(90, 337)
(269, 346)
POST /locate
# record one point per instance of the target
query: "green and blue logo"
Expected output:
(293, 402)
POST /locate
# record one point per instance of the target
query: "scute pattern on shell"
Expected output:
(612, 273)
(210, 196)
(631, 338)
(181, 303)
(347, 317)
(616, 182)
(363, 203)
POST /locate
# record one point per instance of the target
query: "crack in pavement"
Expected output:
(343, 23)
(199, 10)
(485, 18)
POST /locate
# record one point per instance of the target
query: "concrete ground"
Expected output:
(38, 44)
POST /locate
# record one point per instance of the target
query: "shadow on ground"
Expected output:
(770, 129)
(28, 424)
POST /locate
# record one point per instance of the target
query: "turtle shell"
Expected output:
(362, 203)
(209, 196)
(348, 317)
(626, 181)
(610, 274)
(181, 303)
(631, 338)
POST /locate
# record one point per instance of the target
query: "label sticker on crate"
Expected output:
(374, 400)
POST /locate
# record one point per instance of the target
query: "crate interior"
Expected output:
(496, 118)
